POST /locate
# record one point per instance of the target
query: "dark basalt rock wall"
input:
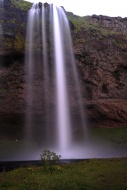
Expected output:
(100, 47)
(101, 54)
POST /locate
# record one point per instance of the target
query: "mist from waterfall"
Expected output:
(53, 89)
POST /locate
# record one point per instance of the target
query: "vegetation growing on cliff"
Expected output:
(19, 43)
(14, 28)
(84, 22)
(23, 5)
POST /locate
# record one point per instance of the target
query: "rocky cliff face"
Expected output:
(100, 48)
(116, 24)
(101, 55)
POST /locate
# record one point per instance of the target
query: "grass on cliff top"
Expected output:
(22, 4)
(95, 174)
(83, 22)
(80, 22)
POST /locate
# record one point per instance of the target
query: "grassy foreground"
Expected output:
(94, 174)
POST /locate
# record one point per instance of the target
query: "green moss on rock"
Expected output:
(23, 5)
(19, 43)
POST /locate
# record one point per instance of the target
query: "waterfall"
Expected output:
(64, 134)
(33, 24)
(53, 88)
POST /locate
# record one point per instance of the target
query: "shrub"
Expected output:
(49, 160)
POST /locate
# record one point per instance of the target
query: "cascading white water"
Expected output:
(33, 22)
(57, 57)
(44, 46)
(74, 74)
(46, 66)
(64, 125)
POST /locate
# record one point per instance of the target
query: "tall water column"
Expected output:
(63, 118)
(53, 88)
(33, 25)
